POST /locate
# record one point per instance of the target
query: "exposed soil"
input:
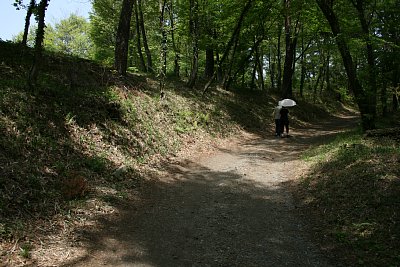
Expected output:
(227, 207)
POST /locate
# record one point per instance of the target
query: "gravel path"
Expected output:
(229, 208)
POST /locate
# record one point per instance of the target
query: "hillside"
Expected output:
(88, 140)
(87, 137)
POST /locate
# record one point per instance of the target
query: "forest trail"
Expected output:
(228, 208)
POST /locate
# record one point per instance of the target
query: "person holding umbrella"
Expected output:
(284, 121)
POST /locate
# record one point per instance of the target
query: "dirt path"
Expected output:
(225, 209)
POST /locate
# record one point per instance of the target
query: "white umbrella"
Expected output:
(287, 102)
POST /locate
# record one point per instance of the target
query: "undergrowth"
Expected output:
(352, 194)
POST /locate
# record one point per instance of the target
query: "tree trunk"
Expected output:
(194, 32)
(272, 67)
(253, 74)
(29, 12)
(227, 76)
(122, 37)
(174, 46)
(303, 67)
(367, 111)
(144, 35)
(138, 37)
(163, 56)
(290, 43)
(279, 59)
(219, 69)
(328, 73)
(371, 91)
(37, 61)
(259, 58)
(231, 42)
(209, 70)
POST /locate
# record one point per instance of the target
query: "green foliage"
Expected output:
(188, 121)
(70, 36)
(25, 250)
(104, 23)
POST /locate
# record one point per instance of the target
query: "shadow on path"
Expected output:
(228, 209)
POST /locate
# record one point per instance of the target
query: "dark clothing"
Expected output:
(284, 121)
(284, 114)
(278, 129)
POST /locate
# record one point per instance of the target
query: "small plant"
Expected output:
(69, 119)
(25, 250)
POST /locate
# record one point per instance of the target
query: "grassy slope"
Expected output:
(87, 138)
(352, 196)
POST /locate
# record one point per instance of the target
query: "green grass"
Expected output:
(353, 193)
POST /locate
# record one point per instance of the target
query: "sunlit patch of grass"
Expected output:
(326, 151)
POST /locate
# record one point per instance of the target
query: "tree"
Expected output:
(138, 37)
(291, 34)
(194, 33)
(70, 36)
(34, 72)
(104, 21)
(366, 99)
(149, 67)
(164, 48)
(122, 37)
(29, 12)
(234, 37)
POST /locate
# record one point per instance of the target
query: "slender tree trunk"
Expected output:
(144, 35)
(37, 61)
(138, 37)
(259, 57)
(219, 69)
(253, 75)
(231, 41)
(303, 66)
(194, 32)
(163, 57)
(174, 45)
(317, 84)
(29, 12)
(328, 73)
(227, 76)
(323, 75)
(279, 59)
(243, 63)
(272, 66)
(122, 38)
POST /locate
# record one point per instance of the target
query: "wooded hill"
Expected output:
(73, 147)
(90, 119)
